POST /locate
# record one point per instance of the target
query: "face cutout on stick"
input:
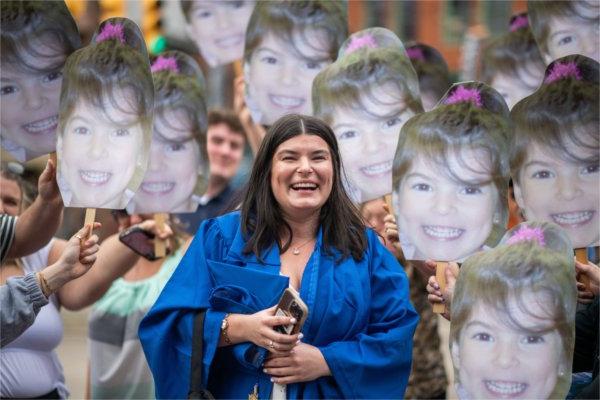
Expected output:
(287, 45)
(555, 150)
(366, 96)
(218, 28)
(105, 118)
(178, 167)
(450, 175)
(513, 317)
(444, 218)
(37, 37)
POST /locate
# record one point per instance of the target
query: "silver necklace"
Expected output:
(296, 249)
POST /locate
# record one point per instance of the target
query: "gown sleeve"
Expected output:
(376, 363)
(166, 331)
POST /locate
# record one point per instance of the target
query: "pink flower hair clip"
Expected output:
(519, 22)
(415, 53)
(527, 234)
(465, 95)
(165, 64)
(111, 31)
(360, 42)
(562, 71)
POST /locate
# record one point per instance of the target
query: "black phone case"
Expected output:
(137, 240)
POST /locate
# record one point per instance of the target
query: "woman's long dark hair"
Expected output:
(262, 219)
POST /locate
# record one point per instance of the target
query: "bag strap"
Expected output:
(197, 390)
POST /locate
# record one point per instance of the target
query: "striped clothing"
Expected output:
(118, 367)
(8, 226)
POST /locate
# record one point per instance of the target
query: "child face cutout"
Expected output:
(98, 155)
(444, 219)
(29, 115)
(219, 29)
(279, 79)
(575, 35)
(515, 88)
(173, 167)
(562, 192)
(368, 138)
(496, 360)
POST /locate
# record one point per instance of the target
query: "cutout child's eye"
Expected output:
(543, 174)
(471, 190)
(121, 132)
(81, 130)
(8, 90)
(175, 147)
(52, 76)
(269, 60)
(590, 169)
(235, 4)
(348, 135)
(565, 40)
(392, 122)
(534, 339)
(203, 14)
(313, 65)
(422, 187)
(483, 337)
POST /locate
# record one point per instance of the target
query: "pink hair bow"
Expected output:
(519, 22)
(165, 64)
(360, 42)
(415, 53)
(563, 70)
(111, 31)
(465, 95)
(527, 234)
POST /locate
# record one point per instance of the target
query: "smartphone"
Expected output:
(291, 305)
(140, 241)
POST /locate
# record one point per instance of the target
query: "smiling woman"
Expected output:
(37, 37)
(105, 118)
(297, 227)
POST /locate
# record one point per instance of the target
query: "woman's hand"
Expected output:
(435, 294)
(258, 328)
(76, 259)
(303, 364)
(585, 295)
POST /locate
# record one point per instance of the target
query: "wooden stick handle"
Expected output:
(160, 246)
(388, 200)
(581, 256)
(440, 275)
(90, 217)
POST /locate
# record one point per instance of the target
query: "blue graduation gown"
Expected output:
(360, 317)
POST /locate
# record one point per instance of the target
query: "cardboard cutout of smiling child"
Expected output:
(177, 173)
(105, 118)
(287, 44)
(366, 96)
(512, 332)
(218, 28)
(450, 175)
(555, 150)
(37, 38)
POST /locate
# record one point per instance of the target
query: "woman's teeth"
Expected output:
(572, 218)
(442, 232)
(157, 187)
(377, 169)
(286, 101)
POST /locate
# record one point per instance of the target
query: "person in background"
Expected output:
(226, 140)
(118, 367)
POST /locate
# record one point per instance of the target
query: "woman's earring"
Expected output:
(496, 219)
